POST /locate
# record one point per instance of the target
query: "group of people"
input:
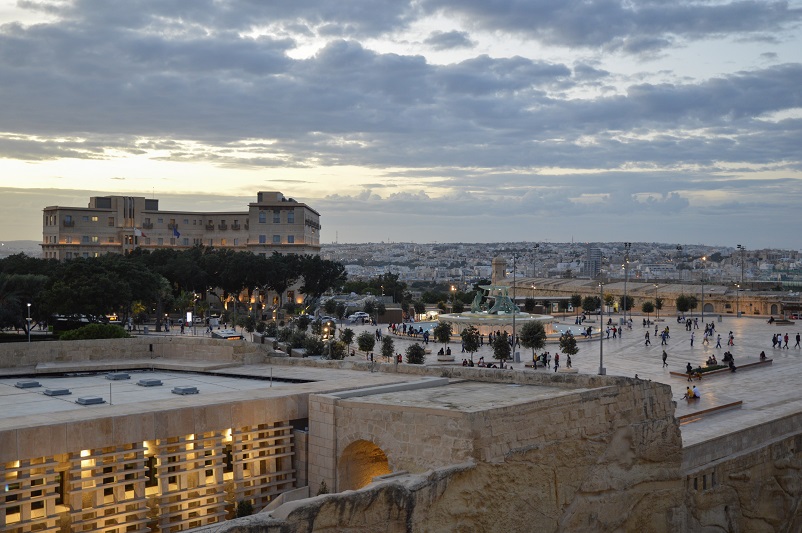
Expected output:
(692, 393)
(781, 341)
(482, 364)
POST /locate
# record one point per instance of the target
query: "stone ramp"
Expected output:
(130, 364)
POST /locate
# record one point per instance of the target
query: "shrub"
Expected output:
(313, 345)
(271, 329)
(244, 508)
(416, 354)
(95, 331)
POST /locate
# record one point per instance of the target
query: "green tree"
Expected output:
(416, 355)
(470, 340)
(693, 303)
(370, 307)
(442, 333)
(648, 308)
(320, 275)
(609, 299)
(420, 308)
(340, 310)
(529, 305)
(658, 305)
(627, 302)
(347, 336)
(568, 344)
(590, 303)
(330, 306)
(388, 347)
(459, 307)
(366, 341)
(337, 350)
(576, 302)
(683, 303)
(533, 335)
(502, 348)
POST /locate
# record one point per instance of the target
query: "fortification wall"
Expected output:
(22, 355)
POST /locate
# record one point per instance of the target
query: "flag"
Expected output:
(175, 232)
(138, 233)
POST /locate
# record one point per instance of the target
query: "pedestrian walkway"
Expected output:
(767, 392)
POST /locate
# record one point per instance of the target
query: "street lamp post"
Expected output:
(737, 307)
(29, 322)
(602, 370)
(514, 309)
(453, 297)
(656, 308)
(703, 288)
(534, 262)
(742, 249)
(627, 246)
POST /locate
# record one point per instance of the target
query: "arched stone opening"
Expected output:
(708, 308)
(774, 309)
(359, 463)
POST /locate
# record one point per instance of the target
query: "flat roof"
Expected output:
(468, 396)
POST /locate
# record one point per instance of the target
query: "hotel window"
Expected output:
(236, 242)
(197, 241)
(262, 239)
(111, 221)
(147, 240)
(290, 217)
(68, 240)
(223, 242)
(186, 221)
(85, 255)
(68, 219)
(160, 220)
(111, 240)
(290, 239)
(95, 239)
(276, 216)
(94, 219)
(194, 222)
(186, 241)
(85, 218)
(262, 217)
(85, 239)
(276, 239)
(160, 241)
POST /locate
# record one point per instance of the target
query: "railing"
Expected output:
(69, 223)
(235, 227)
(222, 226)
(147, 225)
(209, 227)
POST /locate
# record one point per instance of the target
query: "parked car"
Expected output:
(358, 317)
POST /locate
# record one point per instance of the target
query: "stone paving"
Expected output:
(767, 392)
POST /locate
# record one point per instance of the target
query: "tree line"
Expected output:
(156, 281)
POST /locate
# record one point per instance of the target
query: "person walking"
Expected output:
(692, 335)
(718, 341)
(797, 341)
(785, 338)
(648, 342)
(665, 356)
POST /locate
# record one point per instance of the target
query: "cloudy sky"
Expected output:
(422, 120)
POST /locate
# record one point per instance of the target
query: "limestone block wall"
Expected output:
(16, 355)
(747, 481)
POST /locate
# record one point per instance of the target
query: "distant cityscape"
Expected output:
(465, 262)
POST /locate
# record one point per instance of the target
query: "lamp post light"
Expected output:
(453, 297)
(742, 249)
(737, 307)
(602, 370)
(29, 322)
(656, 308)
(703, 288)
(627, 246)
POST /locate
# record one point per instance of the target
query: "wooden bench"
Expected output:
(745, 366)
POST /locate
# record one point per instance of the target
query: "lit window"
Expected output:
(223, 242)
(94, 219)
(68, 240)
(94, 239)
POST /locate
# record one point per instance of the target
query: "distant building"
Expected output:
(593, 262)
(119, 224)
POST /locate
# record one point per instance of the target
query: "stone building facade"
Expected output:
(119, 224)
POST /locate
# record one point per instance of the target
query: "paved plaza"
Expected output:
(767, 392)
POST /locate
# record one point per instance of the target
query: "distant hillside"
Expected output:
(31, 248)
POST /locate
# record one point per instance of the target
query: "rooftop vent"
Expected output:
(27, 384)
(116, 376)
(90, 400)
(57, 392)
(185, 390)
(150, 382)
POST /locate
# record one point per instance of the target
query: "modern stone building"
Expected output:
(119, 224)
(404, 448)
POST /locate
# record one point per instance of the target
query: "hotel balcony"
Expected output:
(209, 227)
(235, 227)
(147, 225)
(222, 227)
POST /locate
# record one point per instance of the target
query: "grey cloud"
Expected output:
(448, 40)
(644, 25)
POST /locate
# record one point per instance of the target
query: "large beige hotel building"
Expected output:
(119, 224)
